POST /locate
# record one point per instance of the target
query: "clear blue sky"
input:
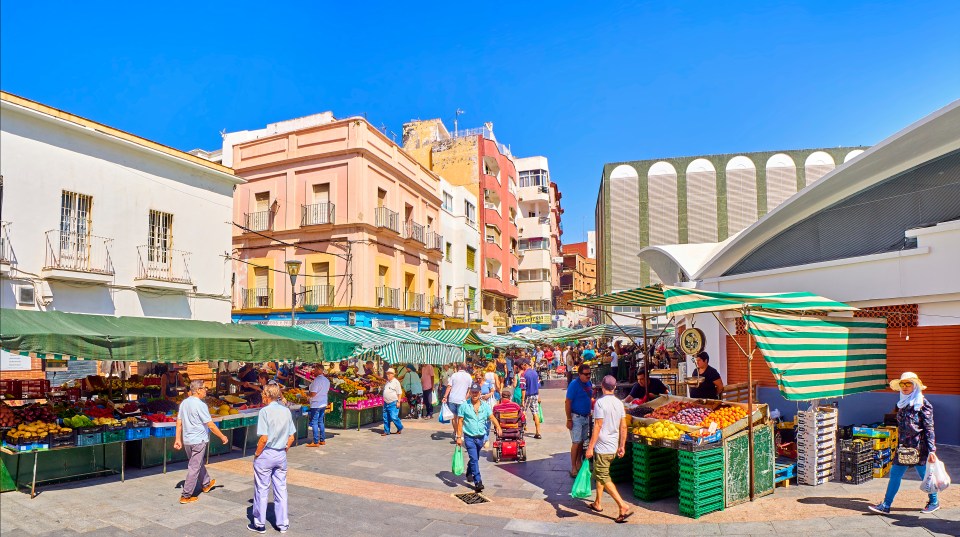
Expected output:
(582, 83)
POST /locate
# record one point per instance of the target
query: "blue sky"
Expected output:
(582, 83)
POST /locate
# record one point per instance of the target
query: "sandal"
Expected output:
(593, 507)
(623, 518)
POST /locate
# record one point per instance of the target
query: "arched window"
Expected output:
(817, 165)
(781, 180)
(741, 194)
(701, 202)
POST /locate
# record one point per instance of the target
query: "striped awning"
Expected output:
(650, 296)
(505, 342)
(821, 357)
(558, 335)
(392, 345)
(609, 331)
(684, 301)
(463, 337)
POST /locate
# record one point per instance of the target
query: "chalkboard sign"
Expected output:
(764, 458)
(737, 463)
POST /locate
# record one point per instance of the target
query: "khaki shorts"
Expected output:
(601, 467)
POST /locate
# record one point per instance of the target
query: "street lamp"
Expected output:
(293, 268)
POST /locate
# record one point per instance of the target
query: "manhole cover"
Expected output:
(471, 498)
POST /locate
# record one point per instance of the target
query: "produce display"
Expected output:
(36, 430)
(78, 421)
(691, 416)
(158, 417)
(661, 429)
(361, 403)
(296, 396)
(7, 417)
(639, 411)
(724, 417)
(160, 405)
(671, 409)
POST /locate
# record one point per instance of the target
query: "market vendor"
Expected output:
(172, 383)
(645, 384)
(250, 382)
(368, 368)
(344, 366)
(711, 385)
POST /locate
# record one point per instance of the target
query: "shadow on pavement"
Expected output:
(452, 481)
(550, 475)
(850, 504)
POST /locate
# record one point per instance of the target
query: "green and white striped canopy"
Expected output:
(821, 357)
(650, 296)
(608, 331)
(394, 346)
(684, 301)
(464, 337)
(558, 335)
(505, 342)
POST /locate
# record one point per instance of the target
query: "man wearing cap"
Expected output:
(471, 429)
(392, 392)
(608, 441)
(531, 394)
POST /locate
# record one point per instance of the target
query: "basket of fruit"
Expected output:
(62, 437)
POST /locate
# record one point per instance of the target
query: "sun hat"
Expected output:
(912, 377)
(392, 370)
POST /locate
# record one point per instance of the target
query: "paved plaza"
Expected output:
(362, 484)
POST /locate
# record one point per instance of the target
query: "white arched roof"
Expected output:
(678, 262)
(925, 140)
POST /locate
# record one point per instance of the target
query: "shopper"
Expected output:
(711, 385)
(578, 405)
(607, 442)
(276, 432)
(426, 383)
(531, 395)
(392, 392)
(615, 360)
(456, 393)
(317, 392)
(471, 430)
(194, 426)
(645, 384)
(414, 389)
(917, 445)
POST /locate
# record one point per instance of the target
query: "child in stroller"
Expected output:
(509, 444)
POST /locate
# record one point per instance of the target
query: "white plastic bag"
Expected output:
(929, 483)
(446, 414)
(939, 472)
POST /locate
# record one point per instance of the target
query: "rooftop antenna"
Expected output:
(455, 120)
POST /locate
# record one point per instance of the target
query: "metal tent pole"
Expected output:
(746, 318)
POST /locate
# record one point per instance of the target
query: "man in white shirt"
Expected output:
(276, 433)
(614, 360)
(194, 425)
(457, 387)
(317, 392)
(392, 392)
(608, 441)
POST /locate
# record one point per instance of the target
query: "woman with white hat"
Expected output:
(916, 444)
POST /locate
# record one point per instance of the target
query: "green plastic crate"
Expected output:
(109, 437)
(699, 457)
(696, 511)
(699, 493)
(217, 447)
(248, 420)
(232, 423)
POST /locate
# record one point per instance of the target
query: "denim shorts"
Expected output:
(581, 429)
(454, 407)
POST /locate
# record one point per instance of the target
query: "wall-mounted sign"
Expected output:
(537, 318)
(692, 341)
(14, 362)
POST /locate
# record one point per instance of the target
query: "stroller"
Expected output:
(509, 444)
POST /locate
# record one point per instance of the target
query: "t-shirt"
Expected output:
(459, 384)
(614, 359)
(475, 422)
(411, 383)
(611, 411)
(426, 380)
(392, 391)
(194, 417)
(580, 395)
(589, 354)
(706, 389)
(548, 355)
(319, 386)
(532, 382)
(276, 423)
(568, 358)
(656, 388)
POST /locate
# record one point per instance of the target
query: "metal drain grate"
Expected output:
(471, 498)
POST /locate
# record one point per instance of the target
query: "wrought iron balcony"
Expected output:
(413, 301)
(78, 252)
(316, 214)
(260, 297)
(163, 264)
(388, 297)
(434, 241)
(259, 221)
(318, 295)
(414, 231)
(388, 219)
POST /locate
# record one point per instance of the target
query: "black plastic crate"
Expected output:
(856, 473)
(854, 458)
(856, 446)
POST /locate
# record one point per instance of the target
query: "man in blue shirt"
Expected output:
(193, 434)
(277, 433)
(589, 353)
(471, 430)
(531, 394)
(578, 405)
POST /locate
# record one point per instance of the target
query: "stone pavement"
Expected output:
(362, 484)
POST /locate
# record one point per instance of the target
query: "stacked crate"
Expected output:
(654, 472)
(856, 461)
(701, 482)
(816, 445)
(883, 443)
(621, 470)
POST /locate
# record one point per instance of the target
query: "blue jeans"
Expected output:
(473, 445)
(317, 424)
(391, 414)
(896, 475)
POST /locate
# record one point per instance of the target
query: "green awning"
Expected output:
(505, 342)
(609, 331)
(334, 349)
(131, 339)
(650, 296)
(821, 357)
(684, 301)
(464, 337)
(394, 346)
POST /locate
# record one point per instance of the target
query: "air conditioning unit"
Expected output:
(26, 295)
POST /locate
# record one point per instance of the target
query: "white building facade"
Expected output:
(538, 226)
(99, 221)
(460, 270)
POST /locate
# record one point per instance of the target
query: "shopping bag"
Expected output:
(540, 412)
(583, 484)
(457, 464)
(445, 414)
(943, 479)
(935, 479)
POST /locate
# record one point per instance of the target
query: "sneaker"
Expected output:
(880, 508)
(282, 530)
(209, 487)
(255, 528)
(931, 507)
(191, 499)
(479, 486)
(469, 479)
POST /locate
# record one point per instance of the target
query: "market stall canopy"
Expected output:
(609, 331)
(334, 349)
(650, 296)
(464, 337)
(505, 342)
(135, 339)
(685, 301)
(394, 346)
(558, 335)
(820, 357)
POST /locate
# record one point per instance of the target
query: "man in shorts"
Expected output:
(531, 394)
(608, 441)
(578, 405)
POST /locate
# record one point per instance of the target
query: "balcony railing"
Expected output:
(436, 305)
(543, 220)
(388, 219)
(260, 297)
(78, 251)
(488, 205)
(318, 295)
(413, 301)
(493, 275)
(415, 231)
(388, 297)
(318, 213)
(259, 221)
(6, 253)
(434, 241)
(566, 287)
(163, 264)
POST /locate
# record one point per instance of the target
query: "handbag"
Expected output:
(908, 456)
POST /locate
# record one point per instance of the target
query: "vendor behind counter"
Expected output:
(710, 384)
